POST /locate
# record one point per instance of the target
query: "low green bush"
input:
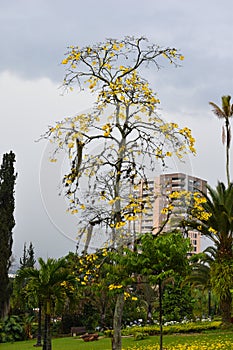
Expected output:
(140, 336)
(12, 330)
(108, 333)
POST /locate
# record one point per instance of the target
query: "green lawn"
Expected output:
(211, 341)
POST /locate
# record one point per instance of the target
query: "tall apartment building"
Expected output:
(156, 192)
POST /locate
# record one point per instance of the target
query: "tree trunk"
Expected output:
(116, 340)
(39, 330)
(225, 308)
(149, 314)
(209, 303)
(160, 316)
(227, 150)
(47, 343)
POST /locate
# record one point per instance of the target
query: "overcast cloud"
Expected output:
(34, 36)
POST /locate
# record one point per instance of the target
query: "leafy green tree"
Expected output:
(161, 259)
(113, 146)
(50, 284)
(18, 301)
(212, 216)
(7, 223)
(225, 112)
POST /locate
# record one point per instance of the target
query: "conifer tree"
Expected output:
(7, 223)
(28, 258)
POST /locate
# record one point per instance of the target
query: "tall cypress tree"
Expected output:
(7, 223)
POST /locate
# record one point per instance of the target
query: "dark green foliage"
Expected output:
(7, 223)
(177, 302)
(163, 256)
(12, 330)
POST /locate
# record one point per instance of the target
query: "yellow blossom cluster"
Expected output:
(129, 90)
(167, 210)
(186, 132)
(173, 53)
(87, 269)
(131, 210)
(73, 56)
(115, 286)
(107, 129)
(212, 230)
(197, 209)
(118, 225)
(194, 201)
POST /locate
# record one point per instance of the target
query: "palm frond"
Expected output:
(217, 110)
(226, 106)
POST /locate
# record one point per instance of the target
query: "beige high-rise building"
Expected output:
(156, 191)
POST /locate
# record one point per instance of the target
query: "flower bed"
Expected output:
(188, 327)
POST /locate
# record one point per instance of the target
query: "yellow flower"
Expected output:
(65, 61)
(164, 211)
(70, 144)
(119, 224)
(126, 295)
(105, 252)
(212, 230)
(168, 154)
(113, 286)
(74, 211)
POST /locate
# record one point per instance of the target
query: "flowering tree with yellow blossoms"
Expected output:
(113, 145)
(111, 148)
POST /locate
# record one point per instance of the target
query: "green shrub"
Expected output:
(12, 330)
(108, 333)
(140, 335)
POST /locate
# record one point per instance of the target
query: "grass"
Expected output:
(211, 340)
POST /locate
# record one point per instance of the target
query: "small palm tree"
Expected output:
(225, 113)
(49, 284)
(218, 226)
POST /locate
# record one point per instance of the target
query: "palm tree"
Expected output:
(217, 225)
(49, 284)
(225, 113)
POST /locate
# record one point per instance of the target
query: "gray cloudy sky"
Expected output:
(34, 36)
